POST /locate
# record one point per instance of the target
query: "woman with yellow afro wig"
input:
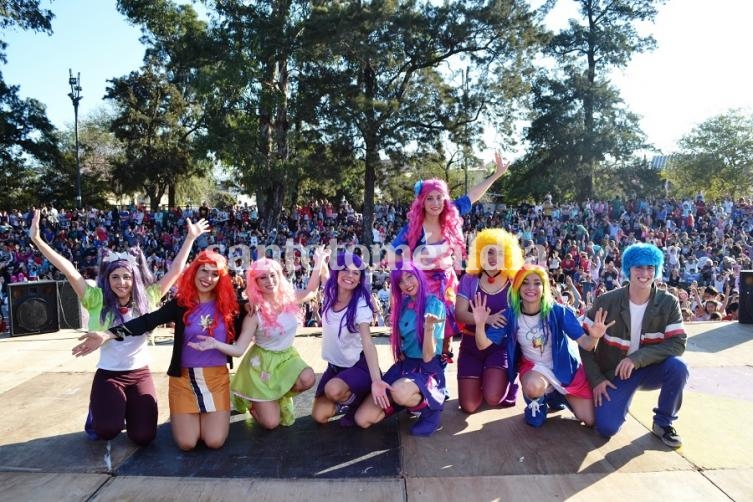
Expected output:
(493, 260)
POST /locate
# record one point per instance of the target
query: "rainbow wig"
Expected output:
(508, 263)
(449, 220)
(284, 296)
(640, 254)
(108, 262)
(347, 260)
(547, 301)
(226, 301)
(399, 301)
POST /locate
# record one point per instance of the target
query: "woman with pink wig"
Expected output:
(433, 237)
(542, 339)
(272, 371)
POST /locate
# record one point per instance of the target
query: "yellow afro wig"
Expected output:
(508, 263)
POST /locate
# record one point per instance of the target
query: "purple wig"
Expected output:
(109, 261)
(400, 302)
(342, 261)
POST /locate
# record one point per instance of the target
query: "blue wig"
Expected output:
(640, 254)
(343, 261)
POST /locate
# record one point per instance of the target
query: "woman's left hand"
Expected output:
(205, 343)
(91, 342)
(196, 229)
(500, 163)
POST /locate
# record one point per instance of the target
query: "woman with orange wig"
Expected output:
(493, 260)
(272, 371)
(542, 340)
(205, 306)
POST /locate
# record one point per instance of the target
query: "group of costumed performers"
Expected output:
(511, 328)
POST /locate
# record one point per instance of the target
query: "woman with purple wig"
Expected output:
(433, 236)
(416, 380)
(123, 390)
(352, 362)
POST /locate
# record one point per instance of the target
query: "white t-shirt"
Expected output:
(280, 337)
(343, 350)
(636, 322)
(534, 341)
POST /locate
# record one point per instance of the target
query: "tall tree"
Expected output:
(383, 72)
(27, 138)
(576, 100)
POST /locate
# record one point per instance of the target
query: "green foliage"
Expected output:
(715, 158)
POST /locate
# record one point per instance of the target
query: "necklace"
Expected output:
(123, 309)
(490, 278)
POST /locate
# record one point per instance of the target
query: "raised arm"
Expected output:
(66, 267)
(321, 257)
(194, 231)
(476, 192)
(480, 315)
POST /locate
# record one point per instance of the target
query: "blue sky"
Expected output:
(700, 69)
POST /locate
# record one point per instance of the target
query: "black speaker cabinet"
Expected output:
(33, 307)
(745, 310)
(69, 309)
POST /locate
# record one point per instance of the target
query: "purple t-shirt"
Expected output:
(198, 323)
(468, 288)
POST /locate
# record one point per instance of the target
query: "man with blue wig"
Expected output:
(641, 348)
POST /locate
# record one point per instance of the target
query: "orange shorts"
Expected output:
(200, 390)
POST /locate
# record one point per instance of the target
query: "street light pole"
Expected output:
(75, 95)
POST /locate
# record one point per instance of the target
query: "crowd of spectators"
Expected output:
(706, 244)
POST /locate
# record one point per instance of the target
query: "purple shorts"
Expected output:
(428, 377)
(357, 378)
(472, 362)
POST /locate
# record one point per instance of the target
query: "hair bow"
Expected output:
(417, 187)
(110, 257)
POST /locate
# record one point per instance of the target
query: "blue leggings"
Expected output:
(670, 376)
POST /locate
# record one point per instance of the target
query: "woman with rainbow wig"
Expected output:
(542, 345)
(416, 380)
(433, 236)
(204, 306)
(122, 390)
(493, 260)
(352, 363)
(271, 371)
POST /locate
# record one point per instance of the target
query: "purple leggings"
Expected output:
(124, 396)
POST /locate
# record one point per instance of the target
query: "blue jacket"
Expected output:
(561, 323)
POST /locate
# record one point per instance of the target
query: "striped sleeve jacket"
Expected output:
(662, 333)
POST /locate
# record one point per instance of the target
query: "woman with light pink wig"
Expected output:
(272, 371)
(433, 236)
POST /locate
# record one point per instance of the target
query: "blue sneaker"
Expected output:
(89, 427)
(536, 411)
(427, 423)
(556, 401)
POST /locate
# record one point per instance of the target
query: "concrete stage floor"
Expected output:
(488, 456)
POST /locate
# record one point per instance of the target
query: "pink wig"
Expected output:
(449, 220)
(284, 296)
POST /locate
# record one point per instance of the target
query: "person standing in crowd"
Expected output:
(494, 259)
(198, 392)
(272, 371)
(352, 362)
(435, 230)
(542, 344)
(641, 348)
(123, 389)
(416, 380)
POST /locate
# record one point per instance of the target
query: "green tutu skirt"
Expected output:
(265, 375)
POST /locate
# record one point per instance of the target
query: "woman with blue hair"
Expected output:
(641, 348)
(416, 380)
(352, 363)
